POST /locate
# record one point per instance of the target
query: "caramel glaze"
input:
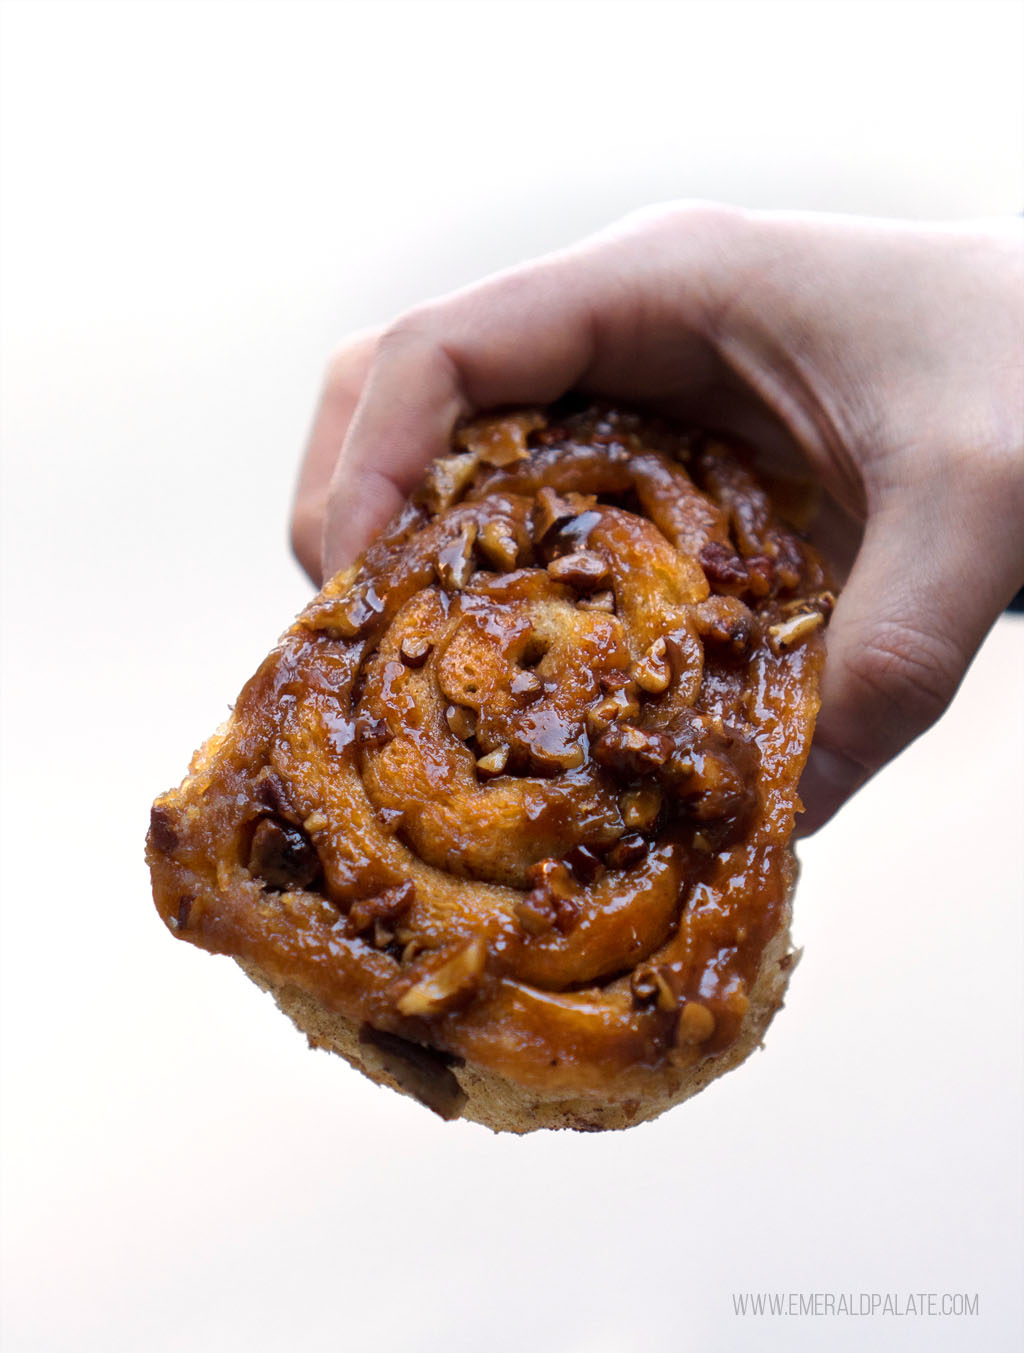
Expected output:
(519, 786)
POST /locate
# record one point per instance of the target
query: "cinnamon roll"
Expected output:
(504, 818)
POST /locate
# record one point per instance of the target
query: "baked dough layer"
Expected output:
(504, 818)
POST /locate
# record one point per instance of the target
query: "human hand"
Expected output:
(885, 357)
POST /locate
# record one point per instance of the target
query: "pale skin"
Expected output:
(884, 359)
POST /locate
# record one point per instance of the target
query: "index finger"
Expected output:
(624, 313)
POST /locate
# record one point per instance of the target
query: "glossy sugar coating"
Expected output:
(504, 819)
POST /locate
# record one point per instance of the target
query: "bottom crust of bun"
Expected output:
(455, 1089)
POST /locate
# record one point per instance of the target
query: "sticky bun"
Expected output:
(504, 818)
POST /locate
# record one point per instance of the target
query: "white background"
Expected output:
(198, 200)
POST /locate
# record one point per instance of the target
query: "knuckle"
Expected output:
(909, 672)
(673, 217)
(413, 329)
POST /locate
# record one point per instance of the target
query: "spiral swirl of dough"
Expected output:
(504, 819)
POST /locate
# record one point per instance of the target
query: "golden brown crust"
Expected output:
(504, 820)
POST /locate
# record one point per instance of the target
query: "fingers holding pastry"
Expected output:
(345, 377)
(919, 601)
(606, 317)
(879, 357)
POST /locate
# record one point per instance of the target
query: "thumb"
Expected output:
(932, 575)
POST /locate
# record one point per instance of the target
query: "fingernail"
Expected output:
(829, 779)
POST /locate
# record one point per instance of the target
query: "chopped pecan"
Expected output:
(630, 751)
(788, 633)
(554, 877)
(282, 856)
(722, 565)
(650, 985)
(587, 866)
(696, 1024)
(502, 439)
(270, 791)
(386, 907)
(551, 508)
(497, 543)
(788, 561)
(627, 851)
(715, 787)
(415, 650)
(412, 947)
(619, 703)
(454, 563)
(371, 733)
(654, 670)
(583, 570)
(452, 983)
(446, 481)
(571, 534)
(161, 832)
(571, 512)
(640, 807)
(598, 601)
(526, 687)
(731, 573)
(493, 763)
(551, 902)
(760, 574)
(725, 622)
(461, 720)
(424, 1073)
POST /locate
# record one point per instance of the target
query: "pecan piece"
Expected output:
(526, 687)
(501, 439)
(387, 907)
(725, 622)
(446, 481)
(640, 807)
(583, 570)
(761, 574)
(451, 984)
(282, 856)
(627, 851)
(722, 565)
(551, 508)
(414, 650)
(620, 703)
(497, 543)
(371, 733)
(454, 563)
(654, 670)
(461, 720)
(493, 763)
(424, 1073)
(587, 866)
(270, 791)
(788, 633)
(161, 832)
(551, 902)
(630, 751)
(650, 985)
(696, 1024)
(598, 601)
